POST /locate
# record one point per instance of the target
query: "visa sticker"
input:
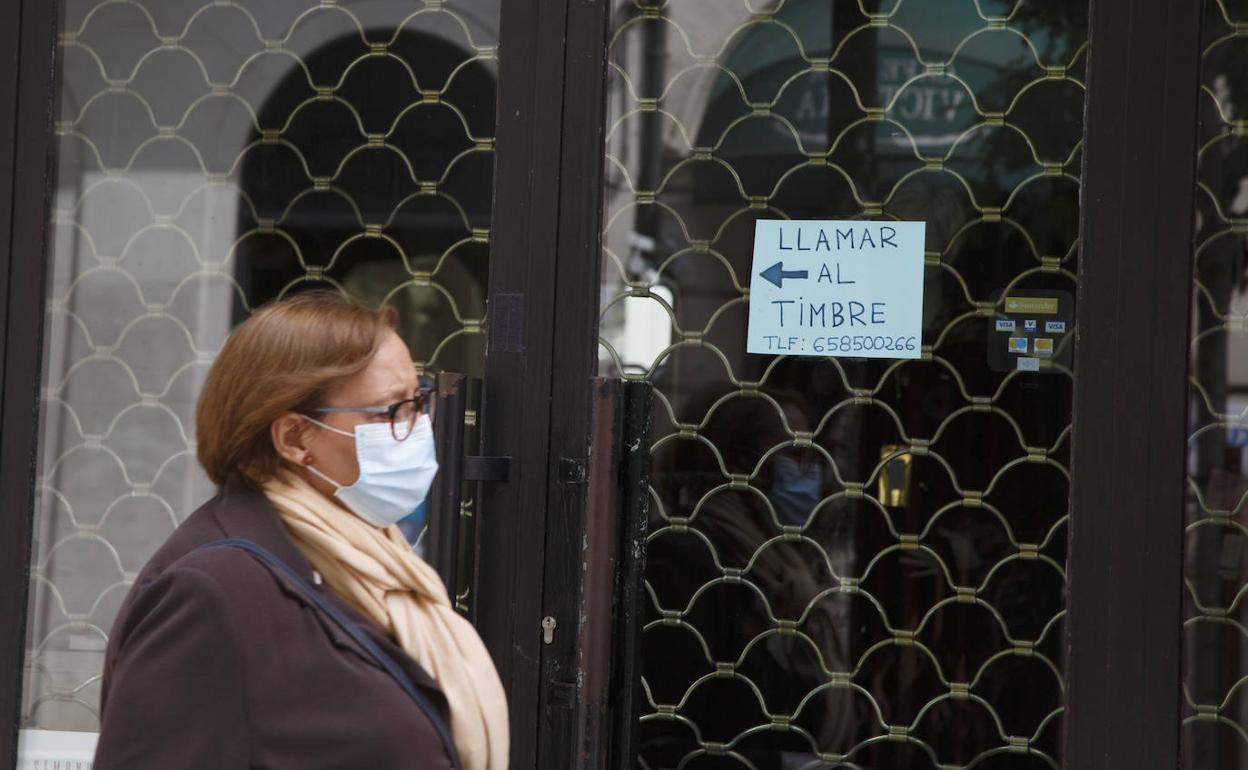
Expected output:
(1055, 327)
(1005, 324)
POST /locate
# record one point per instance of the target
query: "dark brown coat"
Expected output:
(216, 664)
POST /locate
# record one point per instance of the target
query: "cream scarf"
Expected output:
(376, 571)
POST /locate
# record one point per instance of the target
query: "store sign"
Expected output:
(55, 750)
(851, 289)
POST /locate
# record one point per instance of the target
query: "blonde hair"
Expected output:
(285, 358)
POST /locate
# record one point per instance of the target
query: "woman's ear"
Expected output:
(289, 434)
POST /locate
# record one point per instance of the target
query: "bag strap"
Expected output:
(322, 603)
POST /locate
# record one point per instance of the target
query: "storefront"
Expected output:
(774, 561)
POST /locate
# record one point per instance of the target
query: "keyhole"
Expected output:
(548, 629)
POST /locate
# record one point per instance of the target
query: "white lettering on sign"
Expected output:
(832, 287)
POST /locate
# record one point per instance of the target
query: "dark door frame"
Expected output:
(1130, 402)
(541, 356)
(27, 97)
(1126, 535)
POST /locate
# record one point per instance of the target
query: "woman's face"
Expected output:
(388, 378)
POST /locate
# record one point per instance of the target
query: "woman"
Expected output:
(286, 623)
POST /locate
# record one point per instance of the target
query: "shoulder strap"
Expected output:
(323, 604)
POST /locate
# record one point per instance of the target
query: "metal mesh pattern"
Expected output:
(213, 155)
(852, 563)
(1215, 733)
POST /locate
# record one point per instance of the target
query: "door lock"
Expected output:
(548, 629)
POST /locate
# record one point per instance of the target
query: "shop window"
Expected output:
(852, 562)
(213, 156)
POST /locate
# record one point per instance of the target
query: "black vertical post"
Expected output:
(541, 354)
(13, 550)
(1130, 392)
(28, 43)
(516, 406)
(573, 732)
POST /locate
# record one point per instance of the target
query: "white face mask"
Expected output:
(395, 476)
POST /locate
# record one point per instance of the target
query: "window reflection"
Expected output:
(1215, 641)
(213, 156)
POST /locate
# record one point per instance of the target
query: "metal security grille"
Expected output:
(213, 156)
(851, 563)
(1215, 711)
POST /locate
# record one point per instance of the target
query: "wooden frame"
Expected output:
(541, 354)
(1130, 400)
(577, 502)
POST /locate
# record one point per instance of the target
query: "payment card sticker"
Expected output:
(1038, 320)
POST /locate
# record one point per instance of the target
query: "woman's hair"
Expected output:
(285, 358)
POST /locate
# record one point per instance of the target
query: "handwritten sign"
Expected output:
(837, 288)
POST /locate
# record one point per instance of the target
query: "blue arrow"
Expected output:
(776, 274)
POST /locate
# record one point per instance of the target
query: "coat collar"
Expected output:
(244, 512)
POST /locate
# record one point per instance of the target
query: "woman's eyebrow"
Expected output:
(400, 392)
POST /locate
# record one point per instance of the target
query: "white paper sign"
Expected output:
(55, 750)
(837, 288)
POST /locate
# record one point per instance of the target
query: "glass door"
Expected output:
(852, 562)
(213, 156)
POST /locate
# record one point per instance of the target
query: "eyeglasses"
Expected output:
(402, 414)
